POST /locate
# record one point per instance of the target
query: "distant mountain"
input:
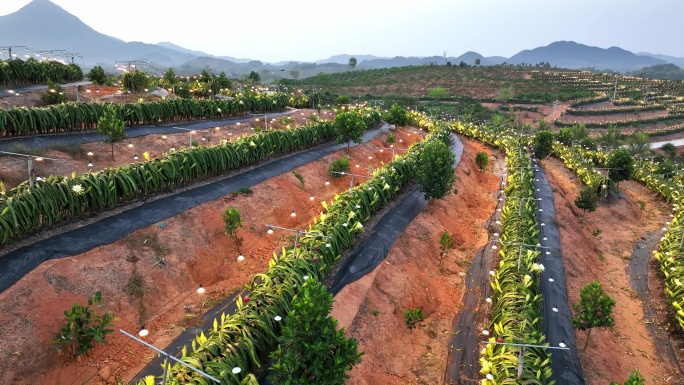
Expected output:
(344, 59)
(235, 59)
(679, 61)
(178, 48)
(469, 58)
(662, 71)
(568, 54)
(43, 25)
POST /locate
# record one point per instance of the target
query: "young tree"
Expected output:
(482, 160)
(638, 144)
(97, 75)
(397, 115)
(170, 79)
(233, 221)
(134, 81)
(435, 171)
(669, 149)
(587, 200)
(611, 138)
(222, 82)
(477, 62)
(83, 327)
(594, 310)
(352, 62)
(310, 349)
(53, 94)
(254, 77)
(111, 125)
(621, 165)
(349, 127)
(543, 144)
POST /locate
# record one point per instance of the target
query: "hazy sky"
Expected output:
(308, 30)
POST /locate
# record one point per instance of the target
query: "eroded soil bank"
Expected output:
(414, 274)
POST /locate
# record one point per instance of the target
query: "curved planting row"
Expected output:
(17, 72)
(25, 209)
(613, 110)
(583, 168)
(623, 123)
(243, 339)
(516, 298)
(73, 117)
(670, 250)
(671, 246)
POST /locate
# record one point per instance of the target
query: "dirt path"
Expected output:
(599, 247)
(464, 348)
(414, 274)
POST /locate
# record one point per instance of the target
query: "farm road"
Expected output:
(16, 264)
(360, 262)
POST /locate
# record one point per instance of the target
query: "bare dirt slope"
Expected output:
(599, 247)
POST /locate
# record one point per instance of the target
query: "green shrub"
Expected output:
(53, 94)
(83, 328)
(390, 139)
(339, 165)
(482, 160)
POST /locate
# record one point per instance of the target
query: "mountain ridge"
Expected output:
(64, 31)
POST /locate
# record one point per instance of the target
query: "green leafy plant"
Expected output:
(97, 75)
(299, 177)
(339, 165)
(245, 191)
(112, 126)
(446, 243)
(311, 350)
(635, 378)
(233, 221)
(543, 144)
(642, 205)
(587, 200)
(390, 139)
(435, 172)
(595, 309)
(396, 115)
(54, 94)
(621, 165)
(596, 232)
(83, 328)
(413, 317)
(482, 160)
(349, 127)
